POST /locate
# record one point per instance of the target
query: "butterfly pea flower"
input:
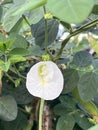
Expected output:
(45, 80)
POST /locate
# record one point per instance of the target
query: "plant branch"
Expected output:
(79, 30)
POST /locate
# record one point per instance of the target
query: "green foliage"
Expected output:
(8, 108)
(88, 84)
(70, 114)
(38, 31)
(18, 124)
(65, 122)
(71, 78)
(25, 35)
(69, 11)
(82, 59)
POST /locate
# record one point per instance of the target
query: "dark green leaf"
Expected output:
(95, 9)
(38, 31)
(19, 51)
(8, 108)
(88, 86)
(35, 15)
(82, 120)
(60, 109)
(95, 64)
(35, 50)
(67, 105)
(20, 42)
(65, 122)
(71, 78)
(21, 94)
(70, 10)
(82, 59)
(18, 124)
(17, 26)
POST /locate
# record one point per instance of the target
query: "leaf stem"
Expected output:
(46, 31)
(79, 30)
(24, 17)
(41, 113)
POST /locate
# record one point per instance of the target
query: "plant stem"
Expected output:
(79, 30)
(46, 31)
(10, 78)
(41, 113)
(24, 17)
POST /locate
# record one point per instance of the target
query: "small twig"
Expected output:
(79, 30)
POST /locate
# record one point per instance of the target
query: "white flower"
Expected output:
(45, 80)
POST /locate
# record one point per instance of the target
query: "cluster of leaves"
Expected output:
(24, 36)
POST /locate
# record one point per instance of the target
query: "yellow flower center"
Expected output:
(42, 71)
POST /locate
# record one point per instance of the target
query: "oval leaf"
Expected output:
(38, 31)
(8, 108)
(82, 59)
(71, 11)
(88, 86)
(65, 122)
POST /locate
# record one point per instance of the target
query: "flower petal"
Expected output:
(53, 81)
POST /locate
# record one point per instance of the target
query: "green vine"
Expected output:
(79, 30)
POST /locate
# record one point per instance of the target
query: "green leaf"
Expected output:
(35, 15)
(9, 19)
(95, 64)
(6, 43)
(94, 128)
(82, 120)
(4, 65)
(20, 42)
(16, 58)
(67, 105)
(35, 50)
(17, 26)
(95, 10)
(21, 94)
(70, 10)
(88, 86)
(89, 106)
(18, 124)
(82, 59)
(71, 78)
(65, 122)
(38, 31)
(8, 108)
(1, 11)
(19, 51)
(60, 109)
(29, 5)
